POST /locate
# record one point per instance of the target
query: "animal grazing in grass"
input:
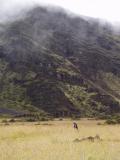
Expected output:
(90, 138)
(97, 137)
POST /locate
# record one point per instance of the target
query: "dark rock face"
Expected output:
(60, 64)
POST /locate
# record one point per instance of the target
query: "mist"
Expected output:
(106, 10)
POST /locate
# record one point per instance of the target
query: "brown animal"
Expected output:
(90, 138)
(97, 137)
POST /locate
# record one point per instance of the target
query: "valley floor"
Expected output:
(54, 141)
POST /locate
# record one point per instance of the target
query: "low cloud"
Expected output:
(104, 9)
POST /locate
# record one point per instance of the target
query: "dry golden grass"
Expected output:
(55, 142)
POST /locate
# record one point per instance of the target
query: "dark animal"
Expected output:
(75, 125)
(90, 138)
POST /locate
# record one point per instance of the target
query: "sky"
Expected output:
(103, 9)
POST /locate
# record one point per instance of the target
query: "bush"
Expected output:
(4, 121)
(12, 120)
(103, 116)
(118, 120)
(60, 119)
(31, 120)
(75, 117)
(111, 121)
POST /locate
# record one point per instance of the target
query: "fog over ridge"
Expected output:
(107, 10)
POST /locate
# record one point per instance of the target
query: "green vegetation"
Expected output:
(113, 120)
(59, 69)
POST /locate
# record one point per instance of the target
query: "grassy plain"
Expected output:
(54, 141)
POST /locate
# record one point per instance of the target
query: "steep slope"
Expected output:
(59, 64)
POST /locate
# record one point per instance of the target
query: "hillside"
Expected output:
(55, 63)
